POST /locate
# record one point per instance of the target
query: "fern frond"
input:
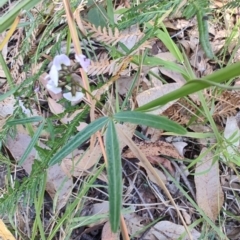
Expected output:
(233, 4)
(105, 66)
(109, 36)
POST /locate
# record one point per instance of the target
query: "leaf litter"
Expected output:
(148, 180)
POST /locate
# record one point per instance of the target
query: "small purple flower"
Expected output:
(61, 59)
(83, 60)
(78, 96)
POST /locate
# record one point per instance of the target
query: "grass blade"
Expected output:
(79, 138)
(114, 169)
(7, 19)
(219, 76)
(150, 120)
(24, 120)
(32, 143)
(8, 94)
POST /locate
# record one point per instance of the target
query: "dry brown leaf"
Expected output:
(128, 141)
(180, 147)
(133, 222)
(155, 82)
(156, 92)
(152, 152)
(166, 230)
(209, 192)
(155, 149)
(57, 108)
(187, 217)
(167, 56)
(177, 77)
(105, 66)
(7, 106)
(153, 134)
(99, 208)
(178, 24)
(128, 129)
(231, 129)
(57, 181)
(107, 234)
(124, 84)
(231, 181)
(186, 45)
(102, 207)
(151, 176)
(5, 234)
(78, 164)
(199, 61)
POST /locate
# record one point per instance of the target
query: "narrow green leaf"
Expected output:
(78, 139)
(114, 170)
(155, 61)
(31, 144)
(169, 43)
(8, 94)
(6, 70)
(24, 120)
(110, 12)
(150, 120)
(203, 34)
(7, 19)
(219, 76)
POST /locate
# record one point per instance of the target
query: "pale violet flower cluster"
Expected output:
(61, 64)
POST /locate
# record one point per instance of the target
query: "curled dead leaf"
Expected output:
(209, 192)
(166, 230)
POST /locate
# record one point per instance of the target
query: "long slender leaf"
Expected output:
(7, 19)
(219, 76)
(155, 61)
(114, 169)
(150, 120)
(169, 43)
(32, 143)
(7, 94)
(78, 139)
(6, 70)
(203, 34)
(25, 120)
(110, 12)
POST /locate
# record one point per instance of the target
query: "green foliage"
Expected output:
(24, 120)
(64, 138)
(97, 15)
(233, 4)
(78, 139)
(150, 120)
(201, 9)
(145, 12)
(193, 6)
(112, 150)
(25, 193)
(114, 170)
(7, 19)
(192, 86)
